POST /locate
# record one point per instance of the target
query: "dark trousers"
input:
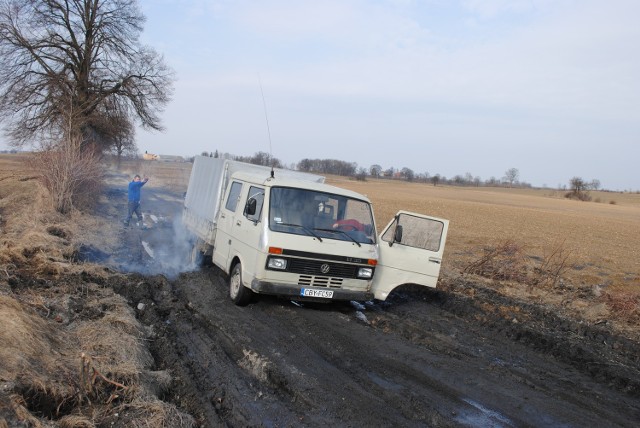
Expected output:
(134, 207)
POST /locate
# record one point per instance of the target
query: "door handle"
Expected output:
(238, 223)
(434, 260)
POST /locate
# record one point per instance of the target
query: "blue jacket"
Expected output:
(134, 190)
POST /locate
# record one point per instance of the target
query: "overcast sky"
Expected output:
(550, 87)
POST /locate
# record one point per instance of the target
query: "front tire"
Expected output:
(240, 295)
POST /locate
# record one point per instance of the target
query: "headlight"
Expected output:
(365, 273)
(277, 263)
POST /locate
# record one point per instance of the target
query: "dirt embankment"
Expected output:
(168, 348)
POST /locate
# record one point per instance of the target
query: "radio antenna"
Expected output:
(264, 104)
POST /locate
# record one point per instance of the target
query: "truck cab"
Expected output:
(295, 238)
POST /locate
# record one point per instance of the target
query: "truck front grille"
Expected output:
(319, 281)
(322, 269)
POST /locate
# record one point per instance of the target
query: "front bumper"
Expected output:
(293, 291)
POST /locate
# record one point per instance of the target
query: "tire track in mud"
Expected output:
(499, 367)
(594, 350)
(220, 381)
(425, 358)
(319, 381)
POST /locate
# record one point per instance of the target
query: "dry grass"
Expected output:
(72, 351)
(80, 372)
(31, 347)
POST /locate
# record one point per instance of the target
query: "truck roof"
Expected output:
(267, 181)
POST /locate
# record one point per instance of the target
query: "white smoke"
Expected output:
(163, 247)
(173, 255)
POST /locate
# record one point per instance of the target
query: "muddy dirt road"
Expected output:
(423, 358)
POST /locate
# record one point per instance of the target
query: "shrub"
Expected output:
(73, 175)
(504, 261)
(508, 261)
(578, 195)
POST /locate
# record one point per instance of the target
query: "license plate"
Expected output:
(309, 292)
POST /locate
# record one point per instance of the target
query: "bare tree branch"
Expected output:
(82, 56)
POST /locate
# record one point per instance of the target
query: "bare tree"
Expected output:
(82, 56)
(511, 176)
(408, 173)
(261, 158)
(122, 137)
(492, 181)
(468, 178)
(375, 170)
(578, 189)
(328, 166)
(578, 185)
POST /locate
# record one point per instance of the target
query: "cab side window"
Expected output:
(234, 195)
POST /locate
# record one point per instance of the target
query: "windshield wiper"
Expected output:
(309, 231)
(340, 231)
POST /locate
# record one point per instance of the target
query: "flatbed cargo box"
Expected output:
(207, 185)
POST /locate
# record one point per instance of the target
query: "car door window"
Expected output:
(417, 232)
(234, 195)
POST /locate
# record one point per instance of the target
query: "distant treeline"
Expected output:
(351, 169)
(328, 166)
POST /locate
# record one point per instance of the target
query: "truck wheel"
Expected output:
(240, 294)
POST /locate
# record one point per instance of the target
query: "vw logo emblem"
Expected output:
(324, 268)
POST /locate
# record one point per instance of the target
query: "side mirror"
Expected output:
(397, 236)
(250, 209)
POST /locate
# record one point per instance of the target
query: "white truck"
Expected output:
(287, 233)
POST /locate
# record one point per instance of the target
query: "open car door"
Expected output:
(410, 252)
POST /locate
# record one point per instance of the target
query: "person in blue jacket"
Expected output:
(134, 198)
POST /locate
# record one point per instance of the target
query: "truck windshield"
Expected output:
(323, 215)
